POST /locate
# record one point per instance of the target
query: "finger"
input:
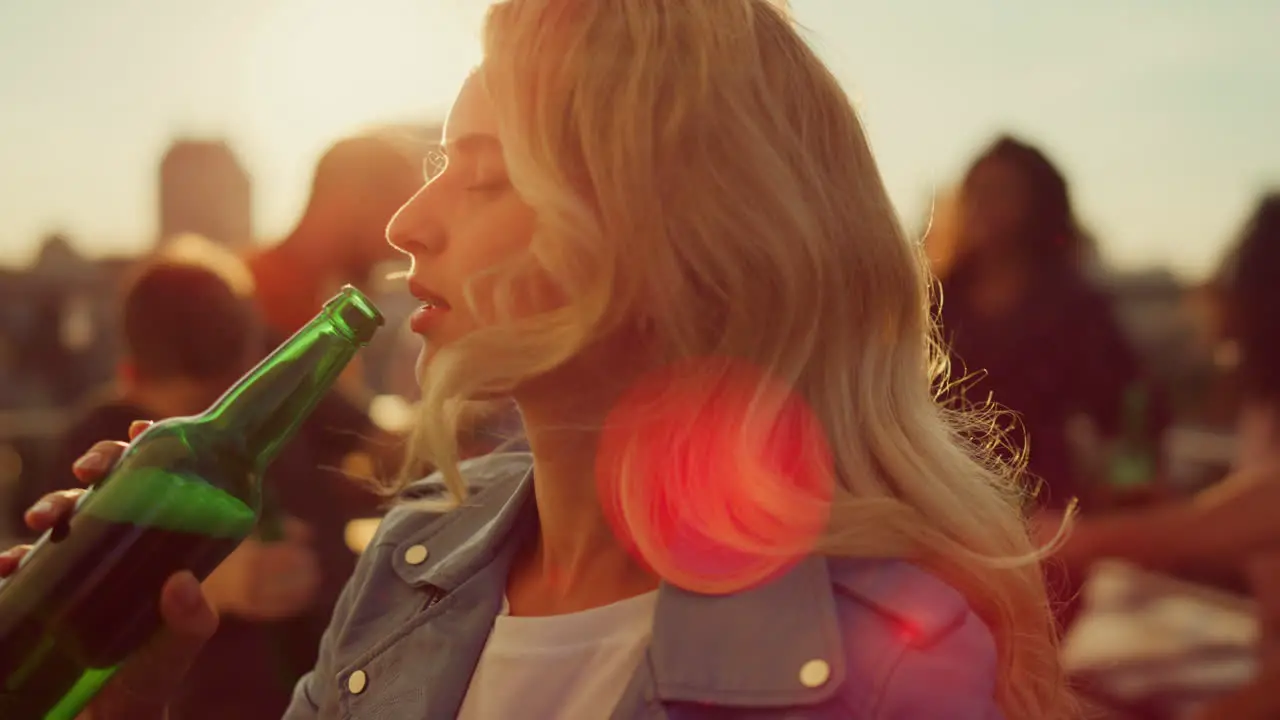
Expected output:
(297, 531)
(51, 508)
(94, 464)
(188, 617)
(137, 427)
(10, 558)
(153, 674)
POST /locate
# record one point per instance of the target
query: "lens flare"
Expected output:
(715, 475)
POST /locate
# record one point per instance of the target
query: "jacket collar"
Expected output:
(743, 649)
(467, 539)
(757, 647)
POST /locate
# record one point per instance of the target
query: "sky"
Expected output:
(1162, 113)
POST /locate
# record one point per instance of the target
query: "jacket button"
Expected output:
(357, 682)
(815, 673)
(416, 555)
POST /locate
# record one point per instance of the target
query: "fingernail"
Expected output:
(90, 462)
(44, 507)
(187, 592)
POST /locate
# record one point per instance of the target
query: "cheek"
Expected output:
(524, 291)
(498, 238)
(496, 251)
(534, 293)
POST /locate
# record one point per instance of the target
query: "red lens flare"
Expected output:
(715, 475)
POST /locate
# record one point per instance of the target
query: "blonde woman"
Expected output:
(628, 187)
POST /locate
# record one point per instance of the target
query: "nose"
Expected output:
(416, 229)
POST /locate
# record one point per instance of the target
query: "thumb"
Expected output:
(154, 673)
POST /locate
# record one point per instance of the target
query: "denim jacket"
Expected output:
(830, 638)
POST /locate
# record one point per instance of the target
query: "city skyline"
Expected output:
(1161, 114)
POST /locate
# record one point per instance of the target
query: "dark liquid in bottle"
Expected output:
(90, 605)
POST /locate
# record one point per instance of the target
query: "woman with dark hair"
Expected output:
(1014, 200)
(1029, 332)
(1253, 323)
(1027, 328)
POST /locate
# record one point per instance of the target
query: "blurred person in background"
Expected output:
(1228, 529)
(1225, 532)
(1027, 328)
(189, 331)
(358, 184)
(1249, 300)
(1029, 331)
(1223, 525)
(1251, 295)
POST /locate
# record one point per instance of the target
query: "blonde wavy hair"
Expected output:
(694, 163)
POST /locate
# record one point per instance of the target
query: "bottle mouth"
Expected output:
(354, 314)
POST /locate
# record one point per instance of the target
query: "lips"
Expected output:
(429, 299)
(432, 310)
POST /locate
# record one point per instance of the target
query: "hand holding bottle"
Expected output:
(182, 497)
(143, 686)
(258, 581)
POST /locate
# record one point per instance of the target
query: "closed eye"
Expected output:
(489, 186)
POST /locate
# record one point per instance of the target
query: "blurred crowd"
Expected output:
(1168, 448)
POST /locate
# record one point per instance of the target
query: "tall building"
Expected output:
(204, 190)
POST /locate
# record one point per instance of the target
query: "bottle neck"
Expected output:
(267, 406)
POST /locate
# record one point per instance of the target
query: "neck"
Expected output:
(577, 562)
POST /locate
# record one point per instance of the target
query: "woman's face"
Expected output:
(994, 206)
(465, 220)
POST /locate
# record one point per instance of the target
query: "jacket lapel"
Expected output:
(463, 577)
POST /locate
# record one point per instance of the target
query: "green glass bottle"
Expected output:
(184, 494)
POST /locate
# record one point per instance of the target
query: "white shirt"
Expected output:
(561, 667)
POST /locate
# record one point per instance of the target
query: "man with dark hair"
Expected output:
(186, 336)
(189, 331)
